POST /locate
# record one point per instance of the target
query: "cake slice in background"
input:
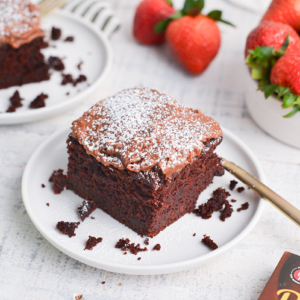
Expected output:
(21, 40)
(143, 158)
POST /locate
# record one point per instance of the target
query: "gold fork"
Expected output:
(48, 6)
(284, 206)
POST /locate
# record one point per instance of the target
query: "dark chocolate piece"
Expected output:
(209, 242)
(92, 242)
(67, 228)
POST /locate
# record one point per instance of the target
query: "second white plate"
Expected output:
(90, 46)
(180, 250)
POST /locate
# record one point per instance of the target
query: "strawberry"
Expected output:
(194, 41)
(286, 72)
(149, 13)
(273, 34)
(193, 38)
(284, 11)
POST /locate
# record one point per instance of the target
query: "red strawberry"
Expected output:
(273, 34)
(147, 15)
(194, 41)
(284, 11)
(286, 72)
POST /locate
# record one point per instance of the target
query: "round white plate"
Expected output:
(90, 46)
(180, 250)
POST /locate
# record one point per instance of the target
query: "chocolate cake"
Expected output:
(143, 158)
(21, 40)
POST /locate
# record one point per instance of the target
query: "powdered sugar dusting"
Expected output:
(140, 128)
(19, 22)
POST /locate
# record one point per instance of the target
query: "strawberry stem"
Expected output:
(217, 16)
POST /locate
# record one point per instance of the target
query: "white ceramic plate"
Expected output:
(180, 250)
(268, 114)
(90, 46)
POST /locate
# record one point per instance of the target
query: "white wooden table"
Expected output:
(31, 268)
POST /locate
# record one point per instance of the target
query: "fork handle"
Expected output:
(281, 204)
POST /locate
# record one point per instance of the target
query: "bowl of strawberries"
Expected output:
(273, 75)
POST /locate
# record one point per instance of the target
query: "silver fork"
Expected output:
(48, 6)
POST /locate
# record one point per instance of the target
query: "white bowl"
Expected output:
(268, 114)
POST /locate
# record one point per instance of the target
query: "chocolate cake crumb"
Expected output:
(47, 204)
(232, 200)
(125, 253)
(194, 234)
(43, 185)
(103, 282)
(240, 189)
(124, 245)
(79, 65)
(226, 212)
(39, 101)
(139, 258)
(119, 284)
(93, 218)
(244, 206)
(209, 242)
(81, 78)
(15, 102)
(92, 242)
(215, 203)
(56, 63)
(86, 208)
(69, 39)
(67, 78)
(55, 33)
(146, 241)
(79, 297)
(232, 184)
(59, 181)
(156, 247)
(67, 228)
(68, 93)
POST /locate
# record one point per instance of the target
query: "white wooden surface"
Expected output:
(33, 269)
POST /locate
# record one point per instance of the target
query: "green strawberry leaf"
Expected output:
(293, 112)
(281, 91)
(257, 73)
(263, 53)
(288, 100)
(217, 16)
(269, 90)
(193, 7)
(161, 26)
(283, 48)
(170, 2)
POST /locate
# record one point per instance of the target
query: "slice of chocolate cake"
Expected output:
(143, 158)
(21, 40)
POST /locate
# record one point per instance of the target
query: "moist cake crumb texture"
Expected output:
(156, 247)
(15, 102)
(39, 101)
(67, 228)
(209, 242)
(86, 208)
(244, 206)
(137, 129)
(124, 245)
(240, 189)
(55, 33)
(69, 39)
(59, 181)
(92, 242)
(232, 184)
(146, 241)
(56, 63)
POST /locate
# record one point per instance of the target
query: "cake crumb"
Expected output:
(232, 200)
(39, 101)
(139, 258)
(92, 242)
(146, 241)
(244, 206)
(15, 102)
(79, 297)
(68, 93)
(124, 245)
(79, 65)
(103, 282)
(67, 228)
(86, 208)
(67, 78)
(47, 204)
(209, 242)
(156, 247)
(56, 63)
(43, 186)
(232, 184)
(125, 253)
(59, 181)
(69, 39)
(194, 234)
(119, 284)
(93, 218)
(55, 33)
(226, 212)
(80, 78)
(240, 189)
